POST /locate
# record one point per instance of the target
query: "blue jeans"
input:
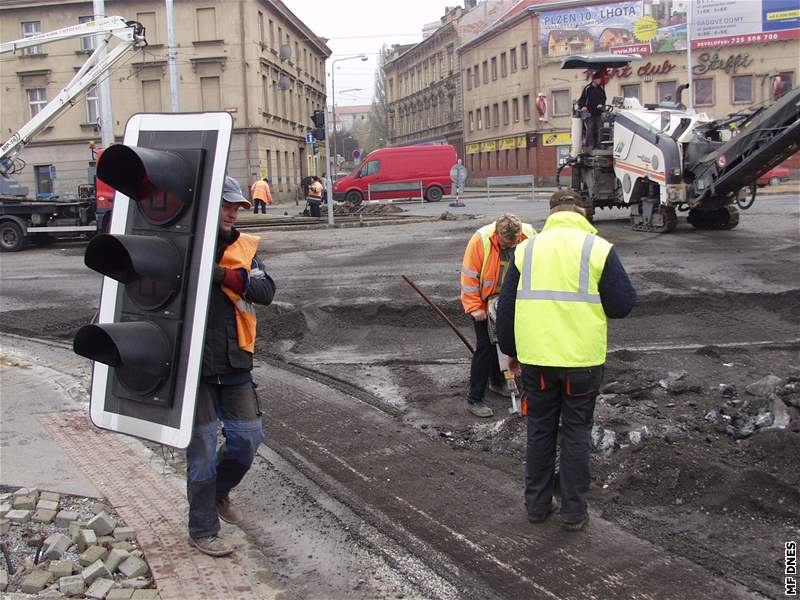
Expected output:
(212, 474)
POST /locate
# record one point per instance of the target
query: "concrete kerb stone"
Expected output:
(120, 594)
(100, 588)
(145, 595)
(92, 554)
(65, 517)
(5, 525)
(35, 581)
(5, 507)
(47, 505)
(18, 516)
(115, 558)
(86, 538)
(133, 567)
(56, 545)
(43, 515)
(72, 585)
(124, 533)
(25, 502)
(93, 571)
(61, 568)
(51, 496)
(101, 524)
(3, 579)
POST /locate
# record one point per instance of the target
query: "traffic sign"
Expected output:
(310, 139)
(356, 154)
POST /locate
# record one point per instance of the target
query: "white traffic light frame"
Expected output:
(207, 227)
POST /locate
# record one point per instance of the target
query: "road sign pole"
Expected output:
(328, 185)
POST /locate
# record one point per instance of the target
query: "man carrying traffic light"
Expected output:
(226, 391)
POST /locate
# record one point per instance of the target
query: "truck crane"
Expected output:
(20, 219)
(661, 158)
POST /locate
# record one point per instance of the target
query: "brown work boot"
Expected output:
(228, 512)
(479, 409)
(213, 545)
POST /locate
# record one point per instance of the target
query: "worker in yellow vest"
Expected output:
(226, 391)
(563, 285)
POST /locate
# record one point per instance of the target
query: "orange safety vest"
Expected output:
(260, 191)
(240, 255)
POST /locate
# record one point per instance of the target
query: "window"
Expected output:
(523, 54)
(151, 95)
(372, 167)
(632, 91)
(526, 107)
(271, 34)
(265, 93)
(494, 68)
(206, 24)
(513, 57)
(87, 42)
(703, 92)
(467, 75)
(450, 50)
(209, 93)
(787, 81)
(503, 65)
(496, 114)
(471, 120)
(561, 102)
(261, 27)
(480, 120)
(515, 109)
(30, 28)
(148, 19)
(92, 105)
(44, 180)
(36, 100)
(505, 112)
(486, 71)
(742, 89)
(665, 91)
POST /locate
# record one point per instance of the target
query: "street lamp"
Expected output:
(335, 131)
(328, 183)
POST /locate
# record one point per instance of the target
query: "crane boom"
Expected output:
(130, 34)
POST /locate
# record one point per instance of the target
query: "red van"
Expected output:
(403, 164)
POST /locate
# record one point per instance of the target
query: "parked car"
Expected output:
(774, 176)
(404, 166)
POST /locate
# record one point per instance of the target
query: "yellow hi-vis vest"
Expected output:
(559, 320)
(240, 255)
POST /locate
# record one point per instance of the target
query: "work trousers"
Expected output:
(259, 203)
(568, 395)
(211, 473)
(593, 124)
(313, 206)
(484, 363)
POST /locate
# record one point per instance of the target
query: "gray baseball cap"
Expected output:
(231, 192)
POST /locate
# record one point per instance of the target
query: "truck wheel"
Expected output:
(11, 238)
(434, 194)
(353, 197)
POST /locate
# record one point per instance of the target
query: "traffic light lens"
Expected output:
(158, 206)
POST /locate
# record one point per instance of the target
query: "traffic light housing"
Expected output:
(157, 261)
(318, 118)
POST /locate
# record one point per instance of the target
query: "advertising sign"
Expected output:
(718, 23)
(561, 138)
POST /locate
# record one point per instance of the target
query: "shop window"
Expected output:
(742, 92)
(665, 91)
(703, 92)
(632, 91)
(561, 103)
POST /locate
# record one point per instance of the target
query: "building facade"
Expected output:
(423, 85)
(253, 59)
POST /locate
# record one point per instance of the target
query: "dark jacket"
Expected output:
(616, 293)
(223, 360)
(591, 97)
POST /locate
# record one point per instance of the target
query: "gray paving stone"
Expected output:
(65, 517)
(43, 515)
(115, 558)
(55, 545)
(104, 540)
(25, 502)
(47, 505)
(119, 594)
(6, 497)
(123, 546)
(74, 530)
(100, 507)
(100, 588)
(137, 583)
(86, 538)
(124, 533)
(5, 525)
(36, 581)
(18, 516)
(93, 571)
(73, 585)
(101, 524)
(52, 496)
(61, 568)
(3, 579)
(133, 567)
(149, 594)
(92, 554)
(5, 507)
(25, 492)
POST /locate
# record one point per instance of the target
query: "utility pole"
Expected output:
(689, 23)
(172, 59)
(103, 86)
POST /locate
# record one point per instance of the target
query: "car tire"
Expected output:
(353, 197)
(11, 237)
(434, 194)
(774, 180)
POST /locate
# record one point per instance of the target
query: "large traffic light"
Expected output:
(318, 117)
(157, 261)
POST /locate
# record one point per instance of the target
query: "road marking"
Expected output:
(663, 347)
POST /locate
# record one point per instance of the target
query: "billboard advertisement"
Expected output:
(640, 26)
(718, 23)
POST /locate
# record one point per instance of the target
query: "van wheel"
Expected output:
(353, 197)
(11, 238)
(434, 194)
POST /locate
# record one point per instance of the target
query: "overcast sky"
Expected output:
(357, 27)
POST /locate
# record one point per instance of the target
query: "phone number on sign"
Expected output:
(743, 39)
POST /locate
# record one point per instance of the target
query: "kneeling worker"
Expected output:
(314, 197)
(226, 390)
(551, 316)
(486, 259)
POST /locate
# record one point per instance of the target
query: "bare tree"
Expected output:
(379, 115)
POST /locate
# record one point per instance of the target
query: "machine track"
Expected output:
(663, 220)
(726, 217)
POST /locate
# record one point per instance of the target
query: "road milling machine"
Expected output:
(659, 159)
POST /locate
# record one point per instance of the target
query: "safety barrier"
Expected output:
(509, 180)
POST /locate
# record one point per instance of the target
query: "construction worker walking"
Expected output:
(551, 317)
(261, 195)
(486, 259)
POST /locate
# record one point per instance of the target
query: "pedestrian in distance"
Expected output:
(314, 198)
(227, 392)
(591, 103)
(489, 252)
(561, 288)
(261, 195)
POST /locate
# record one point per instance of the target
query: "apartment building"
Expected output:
(253, 58)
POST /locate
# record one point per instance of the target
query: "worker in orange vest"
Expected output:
(261, 195)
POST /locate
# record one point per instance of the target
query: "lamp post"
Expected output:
(328, 182)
